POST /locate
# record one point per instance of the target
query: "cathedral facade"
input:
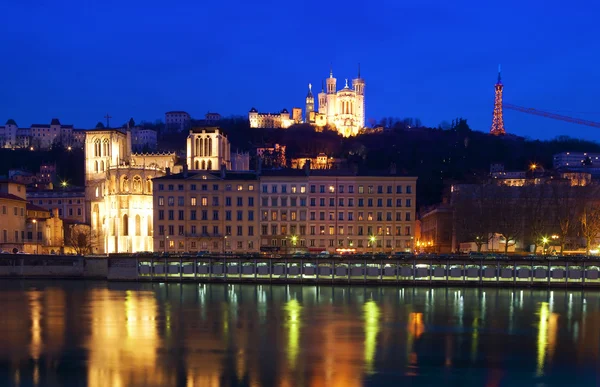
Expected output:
(118, 191)
(343, 109)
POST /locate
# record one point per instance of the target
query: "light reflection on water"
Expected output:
(98, 334)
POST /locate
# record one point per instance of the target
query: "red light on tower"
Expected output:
(497, 120)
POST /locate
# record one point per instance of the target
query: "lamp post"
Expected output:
(36, 235)
(373, 239)
(166, 240)
(544, 243)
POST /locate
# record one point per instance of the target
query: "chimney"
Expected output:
(392, 168)
(223, 169)
(168, 171)
(307, 167)
(185, 170)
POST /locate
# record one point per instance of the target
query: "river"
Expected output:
(152, 334)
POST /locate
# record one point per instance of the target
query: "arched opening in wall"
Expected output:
(97, 148)
(148, 185)
(206, 147)
(197, 164)
(105, 147)
(96, 166)
(102, 166)
(209, 165)
(125, 225)
(209, 146)
(203, 164)
(125, 184)
(138, 225)
(197, 147)
(149, 224)
(137, 184)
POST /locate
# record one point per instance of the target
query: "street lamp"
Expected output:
(544, 243)
(34, 221)
(373, 239)
(166, 241)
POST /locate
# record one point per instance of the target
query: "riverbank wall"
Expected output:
(458, 271)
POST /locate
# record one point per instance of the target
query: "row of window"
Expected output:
(16, 236)
(205, 231)
(59, 201)
(15, 211)
(350, 203)
(332, 189)
(383, 231)
(282, 215)
(204, 201)
(203, 215)
(204, 187)
(204, 245)
(349, 243)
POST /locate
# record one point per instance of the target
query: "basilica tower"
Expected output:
(310, 104)
(322, 99)
(331, 97)
(358, 84)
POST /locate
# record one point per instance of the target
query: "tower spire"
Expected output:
(499, 73)
(322, 86)
(497, 128)
(330, 70)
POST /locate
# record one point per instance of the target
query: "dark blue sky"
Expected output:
(430, 59)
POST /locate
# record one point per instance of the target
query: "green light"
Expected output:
(371, 315)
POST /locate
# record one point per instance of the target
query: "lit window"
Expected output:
(240, 187)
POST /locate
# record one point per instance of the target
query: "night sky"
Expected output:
(435, 60)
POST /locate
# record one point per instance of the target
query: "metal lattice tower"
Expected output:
(497, 120)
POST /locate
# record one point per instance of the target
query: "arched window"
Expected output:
(105, 147)
(125, 225)
(197, 148)
(97, 148)
(149, 223)
(138, 226)
(125, 184)
(209, 146)
(206, 142)
(95, 216)
(209, 165)
(137, 184)
(201, 153)
(148, 185)
(102, 165)
(96, 166)
(203, 164)
(197, 164)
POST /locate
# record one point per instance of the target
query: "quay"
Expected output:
(411, 270)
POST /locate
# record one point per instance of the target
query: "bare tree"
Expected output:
(565, 209)
(508, 211)
(80, 239)
(536, 205)
(472, 214)
(590, 224)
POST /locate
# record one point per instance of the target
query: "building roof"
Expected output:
(33, 207)
(55, 121)
(11, 122)
(194, 175)
(253, 110)
(207, 129)
(177, 112)
(11, 197)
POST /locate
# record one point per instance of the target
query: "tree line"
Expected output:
(531, 214)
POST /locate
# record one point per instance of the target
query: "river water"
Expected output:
(141, 334)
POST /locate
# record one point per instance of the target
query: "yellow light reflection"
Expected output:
(542, 337)
(371, 315)
(293, 310)
(35, 307)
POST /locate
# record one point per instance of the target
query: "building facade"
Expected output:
(143, 139)
(272, 120)
(177, 121)
(70, 204)
(283, 212)
(208, 149)
(118, 191)
(436, 230)
(37, 136)
(13, 214)
(206, 211)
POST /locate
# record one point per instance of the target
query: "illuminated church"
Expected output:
(344, 109)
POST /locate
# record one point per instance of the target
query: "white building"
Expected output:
(8, 134)
(208, 149)
(178, 121)
(43, 136)
(273, 120)
(142, 138)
